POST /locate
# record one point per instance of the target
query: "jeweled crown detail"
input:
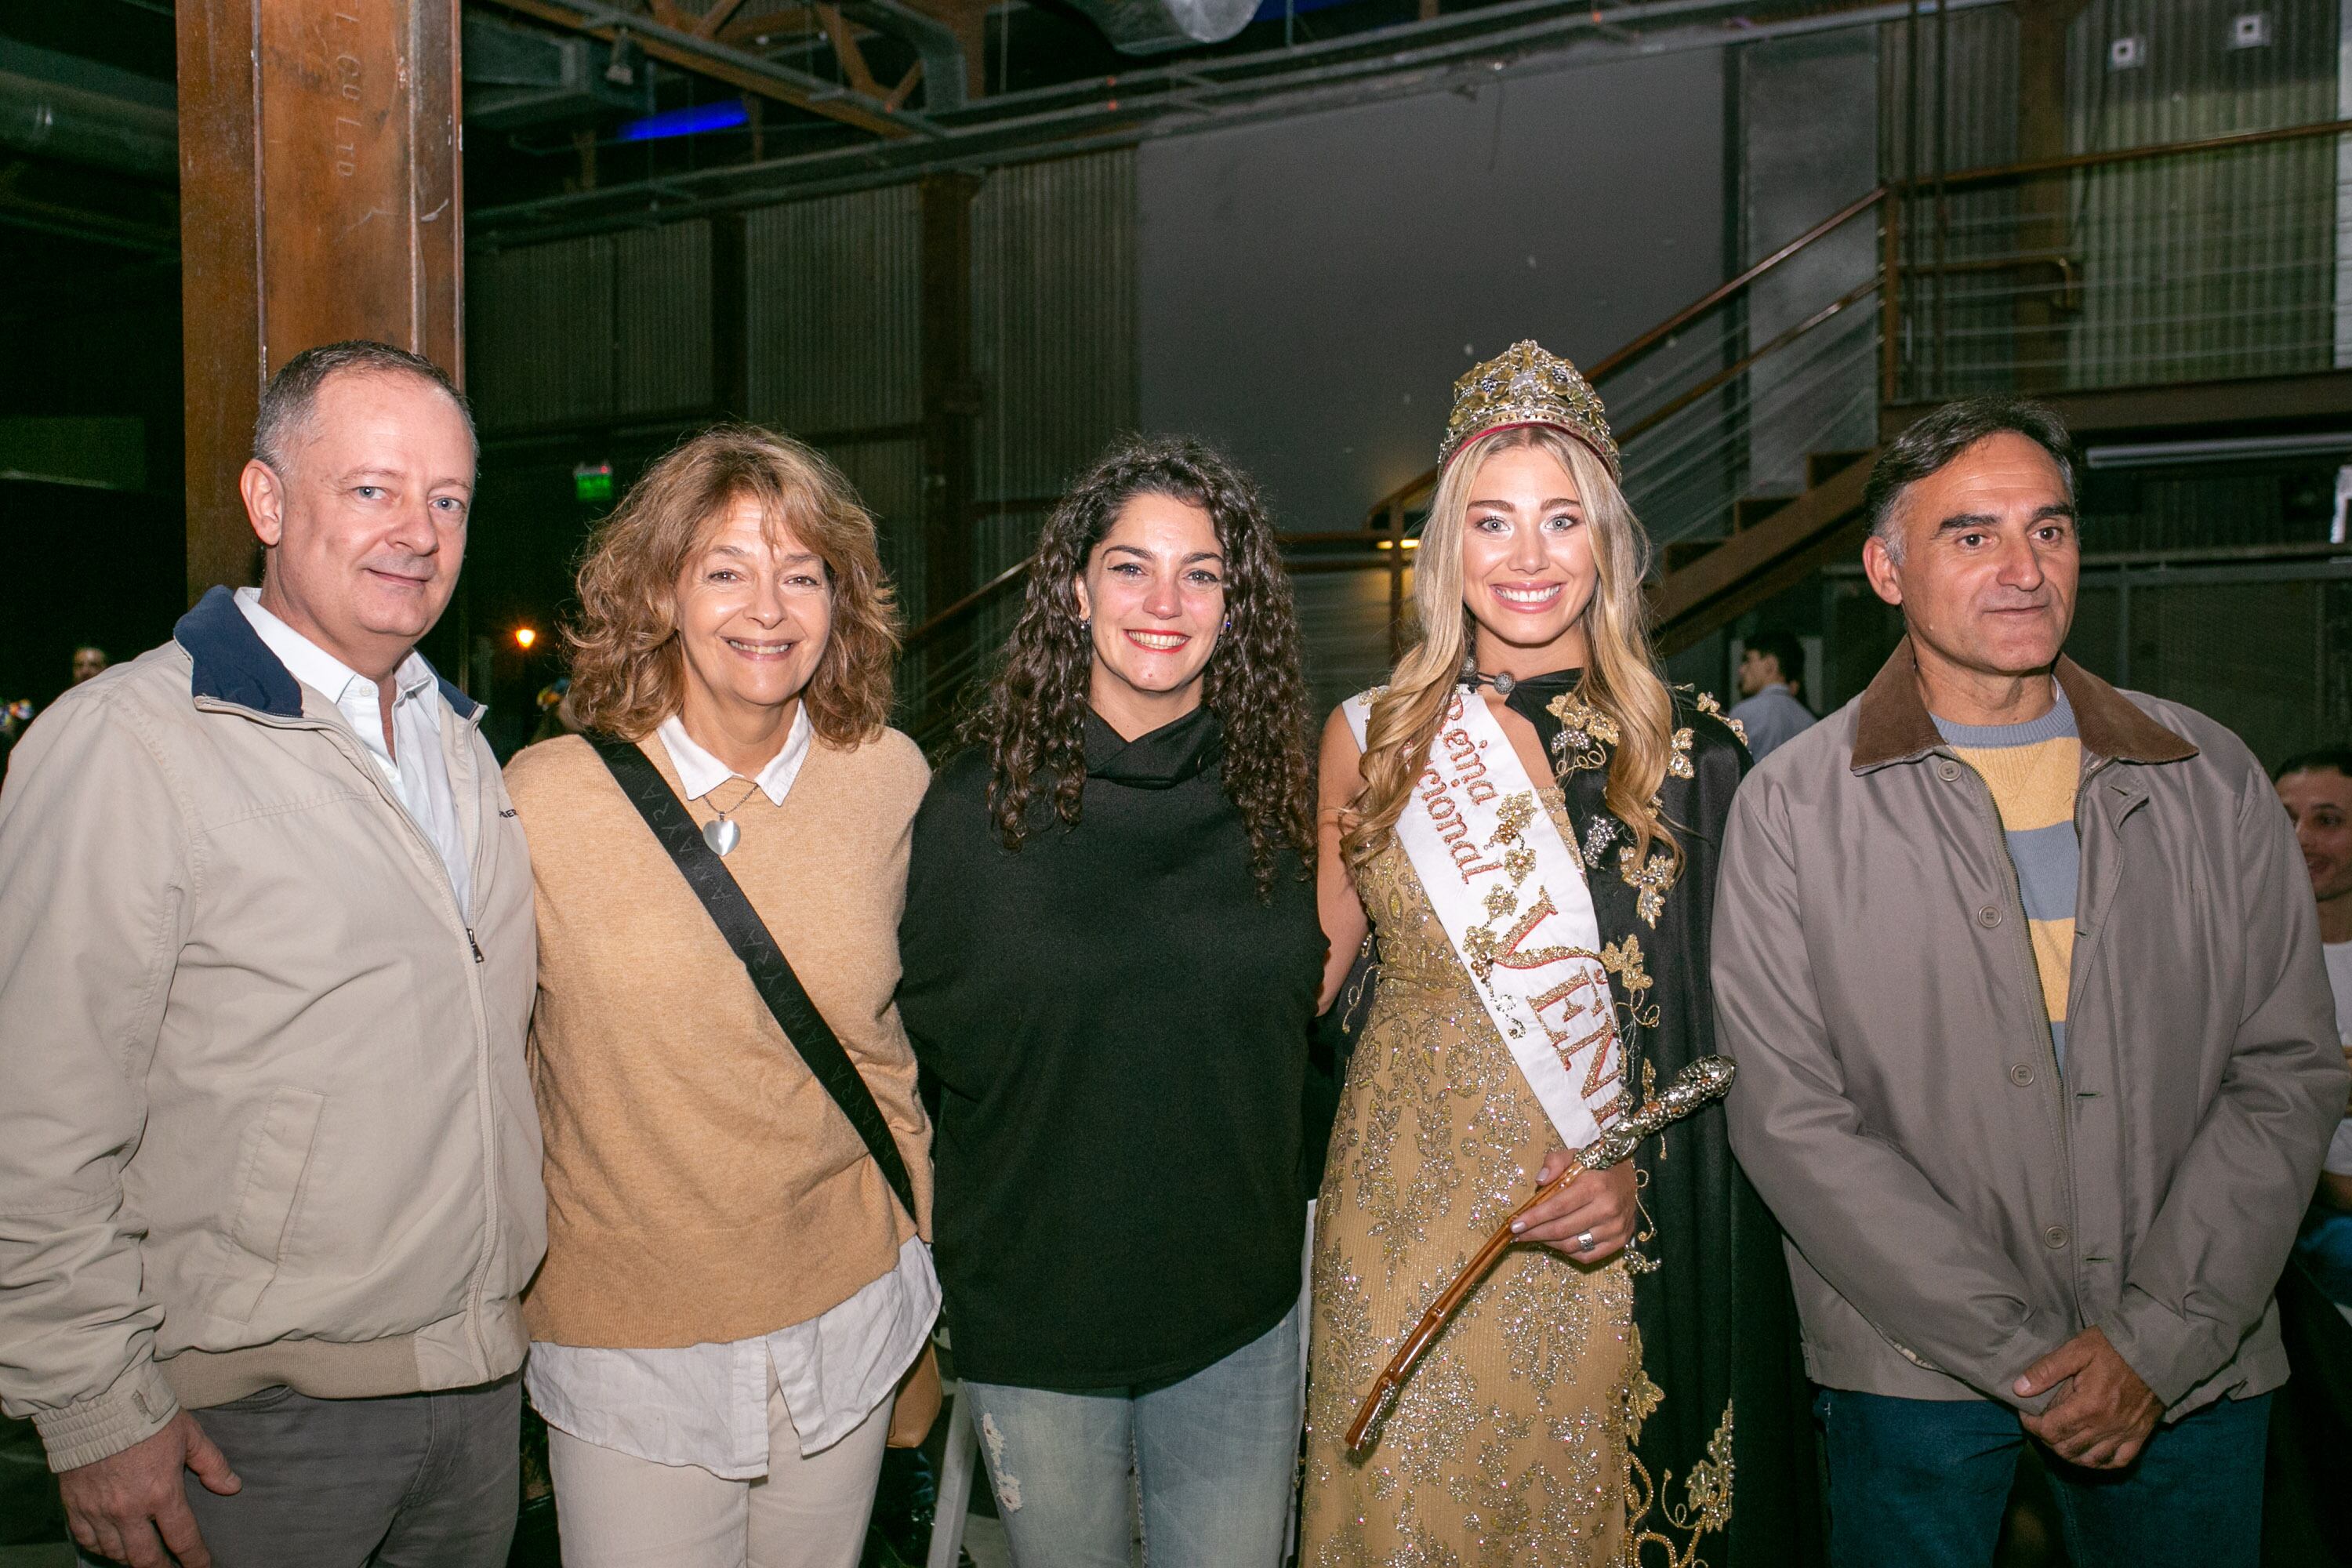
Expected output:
(1525, 385)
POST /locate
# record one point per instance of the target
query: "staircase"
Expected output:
(1747, 459)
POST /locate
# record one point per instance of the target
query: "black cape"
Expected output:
(1718, 1325)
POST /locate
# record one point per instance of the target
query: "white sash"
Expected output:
(1511, 896)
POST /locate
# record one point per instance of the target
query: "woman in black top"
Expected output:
(1111, 960)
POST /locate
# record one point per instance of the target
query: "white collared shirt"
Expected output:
(706, 1404)
(419, 775)
(701, 773)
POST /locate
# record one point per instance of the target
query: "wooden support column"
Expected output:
(320, 199)
(950, 394)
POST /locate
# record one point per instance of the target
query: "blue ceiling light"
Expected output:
(1275, 10)
(724, 115)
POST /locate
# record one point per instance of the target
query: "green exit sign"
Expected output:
(592, 481)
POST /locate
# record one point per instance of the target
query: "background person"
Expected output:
(1111, 958)
(2303, 1519)
(89, 661)
(2037, 1060)
(1518, 1438)
(733, 1292)
(1770, 712)
(268, 1189)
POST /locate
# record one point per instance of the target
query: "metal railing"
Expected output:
(2190, 262)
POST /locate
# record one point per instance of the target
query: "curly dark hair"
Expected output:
(1033, 720)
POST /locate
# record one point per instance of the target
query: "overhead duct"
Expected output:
(1153, 26)
(517, 77)
(96, 129)
(935, 43)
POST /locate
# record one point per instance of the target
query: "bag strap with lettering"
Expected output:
(747, 934)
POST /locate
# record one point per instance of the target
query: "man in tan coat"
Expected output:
(269, 1178)
(2037, 1058)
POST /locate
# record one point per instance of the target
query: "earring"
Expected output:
(1229, 624)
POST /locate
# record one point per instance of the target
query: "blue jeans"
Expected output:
(1214, 1456)
(1923, 1483)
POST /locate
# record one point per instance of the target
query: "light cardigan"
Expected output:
(703, 1187)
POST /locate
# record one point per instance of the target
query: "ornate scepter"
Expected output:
(1705, 1079)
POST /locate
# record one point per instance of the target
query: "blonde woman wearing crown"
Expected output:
(1527, 817)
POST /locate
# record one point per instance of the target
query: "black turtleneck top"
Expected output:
(1118, 1025)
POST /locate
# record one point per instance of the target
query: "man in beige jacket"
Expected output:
(2037, 1056)
(269, 1177)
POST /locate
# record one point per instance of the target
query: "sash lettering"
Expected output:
(1511, 896)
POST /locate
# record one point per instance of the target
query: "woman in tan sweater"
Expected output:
(731, 1291)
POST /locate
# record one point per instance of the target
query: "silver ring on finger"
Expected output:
(1584, 1241)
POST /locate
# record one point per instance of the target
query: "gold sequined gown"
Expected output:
(1508, 1445)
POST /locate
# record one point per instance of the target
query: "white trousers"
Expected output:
(616, 1511)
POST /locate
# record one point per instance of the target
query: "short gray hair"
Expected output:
(286, 401)
(1931, 443)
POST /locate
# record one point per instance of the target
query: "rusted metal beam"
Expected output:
(721, 62)
(846, 51)
(320, 199)
(715, 18)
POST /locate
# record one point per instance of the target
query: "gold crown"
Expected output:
(1525, 385)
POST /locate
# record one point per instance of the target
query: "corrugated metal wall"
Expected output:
(2223, 264)
(1054, 330)
(834, 304)
(609, 328)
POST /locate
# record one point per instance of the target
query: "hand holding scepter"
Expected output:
(1704, 1080)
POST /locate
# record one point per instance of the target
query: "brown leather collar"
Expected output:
(1893, 725)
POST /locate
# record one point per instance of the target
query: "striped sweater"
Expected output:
(2032, 769)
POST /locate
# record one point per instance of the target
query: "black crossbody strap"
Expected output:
(747, 933)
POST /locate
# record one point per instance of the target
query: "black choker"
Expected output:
(1504, 683)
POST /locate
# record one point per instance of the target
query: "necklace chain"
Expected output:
(748, 790)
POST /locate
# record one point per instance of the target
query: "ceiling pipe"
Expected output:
(1535, 37)
(95, 129)
(1153, 26)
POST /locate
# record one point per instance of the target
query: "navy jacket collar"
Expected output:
(234, 665)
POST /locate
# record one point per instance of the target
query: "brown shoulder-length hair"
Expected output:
(1033, 720)
(627, 670)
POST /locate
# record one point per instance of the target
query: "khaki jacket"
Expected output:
(1954, 1207)
(264, 1114)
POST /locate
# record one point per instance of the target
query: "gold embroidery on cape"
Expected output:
(1706, 1508)
(1707, 704)
(1649, 881)
(1623, 960)
(1679, 764)
(1584, 730)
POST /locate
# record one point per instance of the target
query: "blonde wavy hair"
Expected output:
(628, 672)
(1620, 678)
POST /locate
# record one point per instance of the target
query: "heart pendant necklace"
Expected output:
(722, 834)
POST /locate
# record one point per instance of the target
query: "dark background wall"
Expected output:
(1310, 287)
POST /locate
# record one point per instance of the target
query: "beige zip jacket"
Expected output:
(1955, 1207)
(264, 1112)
